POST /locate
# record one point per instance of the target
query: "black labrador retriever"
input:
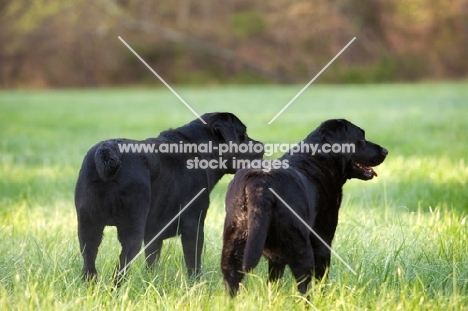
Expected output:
(140, 192)
(257, 222)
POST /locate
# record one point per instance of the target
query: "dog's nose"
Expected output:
(384, 151)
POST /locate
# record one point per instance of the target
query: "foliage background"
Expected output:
(53, 43)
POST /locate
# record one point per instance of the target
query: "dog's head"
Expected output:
(358, 154)
(231, 134)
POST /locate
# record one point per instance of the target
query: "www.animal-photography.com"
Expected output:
(193, 155)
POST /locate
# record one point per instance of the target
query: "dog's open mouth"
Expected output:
(365, 170)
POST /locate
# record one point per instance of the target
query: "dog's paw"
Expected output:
(89, 276)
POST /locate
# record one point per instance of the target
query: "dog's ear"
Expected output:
(334, 131)
(226, 126)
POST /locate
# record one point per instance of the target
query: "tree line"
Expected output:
(53, 43)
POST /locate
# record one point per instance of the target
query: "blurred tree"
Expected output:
(53, 43)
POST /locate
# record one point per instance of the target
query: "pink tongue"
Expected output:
(370, 169)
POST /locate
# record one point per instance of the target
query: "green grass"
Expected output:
(405, 232)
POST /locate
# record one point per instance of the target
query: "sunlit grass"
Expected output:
(404, 233)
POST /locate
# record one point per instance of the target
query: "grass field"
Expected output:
(405, 232)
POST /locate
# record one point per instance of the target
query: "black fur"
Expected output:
(257, 222)
(140, 193)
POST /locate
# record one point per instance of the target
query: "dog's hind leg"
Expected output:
(153, 250)
(275, 270)
(130, 237)
(302, 264)
(192, 245)
(90, 237)
(303, 275)
(130, 231)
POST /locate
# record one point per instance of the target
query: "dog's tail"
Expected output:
(259, 201)
(107, 160)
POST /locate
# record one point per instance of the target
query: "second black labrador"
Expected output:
(140, 192)
(257, 222)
